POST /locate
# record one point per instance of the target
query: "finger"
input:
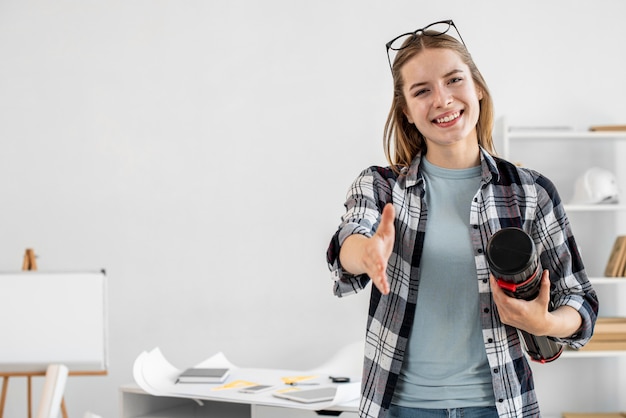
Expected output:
(378, 275)
(384, 287)
(386, 235)
(386, 220)
(495, 288)
(544, 290)
(382, 284)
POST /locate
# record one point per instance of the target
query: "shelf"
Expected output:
(592, 353)
(595, 208)
(608, 280)
(597, 225)
(565, 134)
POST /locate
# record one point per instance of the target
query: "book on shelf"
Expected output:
(608, 329)
(604, 346)
(607, 324)
(616, 265)
(608, 334)
(203, 375)
(608, 128)
(541, 128)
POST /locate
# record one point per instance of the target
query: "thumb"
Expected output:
(544, 291)
(386, 227)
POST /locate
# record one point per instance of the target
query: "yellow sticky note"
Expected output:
(291, 389)
(294, 379)
(235, 384)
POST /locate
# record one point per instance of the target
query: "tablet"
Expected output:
(309, 395)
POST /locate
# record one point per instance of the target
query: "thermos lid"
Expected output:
(510, 251)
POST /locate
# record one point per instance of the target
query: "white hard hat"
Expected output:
(596, 185)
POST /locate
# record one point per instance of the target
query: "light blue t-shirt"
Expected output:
(446, 364)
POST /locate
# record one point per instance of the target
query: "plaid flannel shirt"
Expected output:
(509, 196)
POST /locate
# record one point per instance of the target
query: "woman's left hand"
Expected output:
(531, 316)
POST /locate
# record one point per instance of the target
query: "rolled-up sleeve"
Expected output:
(364, 202)
(560, 255)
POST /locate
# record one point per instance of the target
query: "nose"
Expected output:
(442, 97)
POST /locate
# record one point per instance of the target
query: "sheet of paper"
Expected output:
(347, 362)
(157, 376)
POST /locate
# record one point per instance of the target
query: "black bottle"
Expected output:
(514, 263)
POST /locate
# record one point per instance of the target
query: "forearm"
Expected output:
(533, 316)
(351, 254)
(564, 322)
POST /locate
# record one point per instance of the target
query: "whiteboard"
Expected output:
(53, 318)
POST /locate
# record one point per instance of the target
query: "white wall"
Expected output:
(200, 152)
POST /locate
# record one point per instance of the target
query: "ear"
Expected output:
(479, 93)
(408, 117)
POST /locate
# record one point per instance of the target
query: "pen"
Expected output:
(300, 384)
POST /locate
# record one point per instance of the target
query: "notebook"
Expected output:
(203, 375)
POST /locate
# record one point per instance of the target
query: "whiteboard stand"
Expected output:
(30, 264)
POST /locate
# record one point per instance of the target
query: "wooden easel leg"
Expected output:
(5, 386)
(30, 396)
(63, 408)
(29, 263)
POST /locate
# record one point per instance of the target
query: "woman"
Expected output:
(441, 335)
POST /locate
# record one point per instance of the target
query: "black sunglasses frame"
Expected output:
(423, 30)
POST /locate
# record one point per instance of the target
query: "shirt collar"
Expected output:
(414, 177)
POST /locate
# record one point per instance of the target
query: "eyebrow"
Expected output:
(446, 75)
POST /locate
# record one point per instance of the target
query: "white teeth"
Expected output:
(449, 118)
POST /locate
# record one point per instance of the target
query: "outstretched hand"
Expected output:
(379, 249)
(362, 255)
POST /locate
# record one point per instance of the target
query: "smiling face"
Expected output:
(442, 100)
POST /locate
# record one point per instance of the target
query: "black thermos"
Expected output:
(514, 263)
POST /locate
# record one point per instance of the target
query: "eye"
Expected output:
(420, 92)
(455, 80)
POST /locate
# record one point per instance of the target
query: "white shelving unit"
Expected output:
(580, 381)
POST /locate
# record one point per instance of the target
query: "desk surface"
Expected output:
(156, 376)
(137, 403)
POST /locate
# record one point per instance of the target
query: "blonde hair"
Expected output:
(402, 140)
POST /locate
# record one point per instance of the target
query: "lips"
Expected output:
(448, 118)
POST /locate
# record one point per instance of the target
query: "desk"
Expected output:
(136, 403)
(155, 393)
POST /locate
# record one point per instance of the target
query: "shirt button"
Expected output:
(480, 251)
(496, 370)
(475, 226)
(486, 310)
(500, 400)
(490, 340)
